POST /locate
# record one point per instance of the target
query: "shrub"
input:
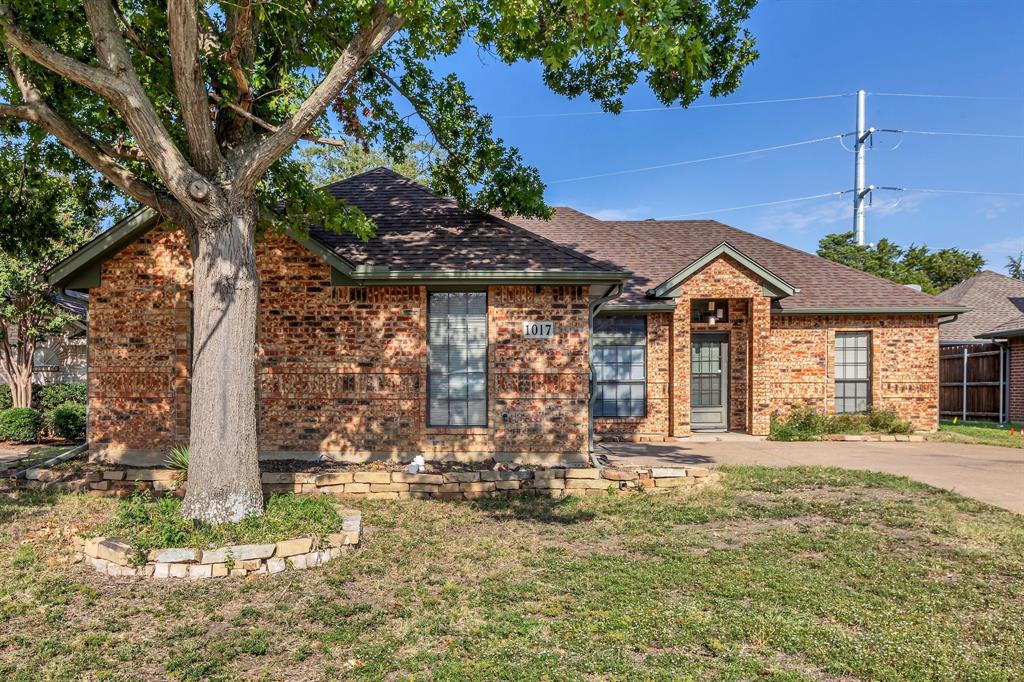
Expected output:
(20, 424)
(67, 421)
(887, 421)
(6, 402)
(50, 397)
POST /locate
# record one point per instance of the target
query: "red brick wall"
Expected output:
(904, 363)
(1016, 402)
(138, 347)
(659, 346)
(342, 371)
(778, 362)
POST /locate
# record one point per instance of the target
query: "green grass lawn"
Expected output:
(777, 574)
(986, 433)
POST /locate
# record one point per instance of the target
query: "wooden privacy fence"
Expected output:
(971, 381)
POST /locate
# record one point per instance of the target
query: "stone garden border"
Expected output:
(378, 484)
(112, 556)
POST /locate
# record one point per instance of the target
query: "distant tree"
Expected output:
(933, 271)
(1015, 266)
(42, 220)
(327, 164)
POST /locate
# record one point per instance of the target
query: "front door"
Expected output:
(709, 386)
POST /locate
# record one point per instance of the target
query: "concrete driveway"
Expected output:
(987, 473)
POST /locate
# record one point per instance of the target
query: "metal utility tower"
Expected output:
(861, 191)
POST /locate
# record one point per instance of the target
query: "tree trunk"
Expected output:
(223, 471)
(21, 386)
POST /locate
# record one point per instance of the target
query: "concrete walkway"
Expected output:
(985, 472)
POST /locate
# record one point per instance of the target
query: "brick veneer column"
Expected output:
(680, 420)
(1016, 402)
(760, 372)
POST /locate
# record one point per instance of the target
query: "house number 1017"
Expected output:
(538, 330)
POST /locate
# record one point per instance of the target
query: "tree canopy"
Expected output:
(934, 271)
(44, 215)
(268, 73)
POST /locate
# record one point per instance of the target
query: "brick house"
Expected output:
(990, 334)
(461, 335)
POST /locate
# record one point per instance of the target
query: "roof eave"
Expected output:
(884, 310)
(1003, 334)
(80, 269)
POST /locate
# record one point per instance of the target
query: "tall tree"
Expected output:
(191, 108)
(1015, 266)
(933, 271)
(44, 216)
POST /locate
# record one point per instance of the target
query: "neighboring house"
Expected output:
(984, 341)
(460, 335)
(62, 359)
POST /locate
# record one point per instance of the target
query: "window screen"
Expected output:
(620, 366)
(457, 359)
(853, 371)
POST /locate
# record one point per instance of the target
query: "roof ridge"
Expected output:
(783, 246)
(530, 234)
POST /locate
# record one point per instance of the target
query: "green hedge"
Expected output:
(45, 398)
(49, 397)
(67, 421)
(20, 424)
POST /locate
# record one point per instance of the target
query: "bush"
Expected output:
(6, 401)
(887, 421)
(20, 424)
(67, 421)
(50, 397)
(806, 424)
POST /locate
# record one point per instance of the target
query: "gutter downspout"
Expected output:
(594, 307)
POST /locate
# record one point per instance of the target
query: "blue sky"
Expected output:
(807, 48)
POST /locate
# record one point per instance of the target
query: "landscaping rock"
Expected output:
(403, 477)
(461, 476)
(336, 478)
(275, 565)
(287, 548)
(618, 474)
(114, 550)
(667, 472)
(373, 477)
(588, 473)
(175, 555)
(251, 552)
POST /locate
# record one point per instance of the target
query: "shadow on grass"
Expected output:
(557, 511)
(13, 503)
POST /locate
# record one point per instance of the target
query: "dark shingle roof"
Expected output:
(654, 250)
(996, 300)
(417, 230)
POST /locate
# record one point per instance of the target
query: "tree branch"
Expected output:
(183, 32)
(130, 33)
(242, 28)
(367, 40)
(35, 110)
(267, 125)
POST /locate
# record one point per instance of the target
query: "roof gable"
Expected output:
(655, 250)
(775, 286)
(995, 300)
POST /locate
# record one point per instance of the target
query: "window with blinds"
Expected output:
(853, 372)
(457, 359)
(620, 366)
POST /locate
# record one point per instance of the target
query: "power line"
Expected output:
(692, 161)
(935, 132)
(955, 191)
(930, 96)
(717, 105)
(764, 203)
